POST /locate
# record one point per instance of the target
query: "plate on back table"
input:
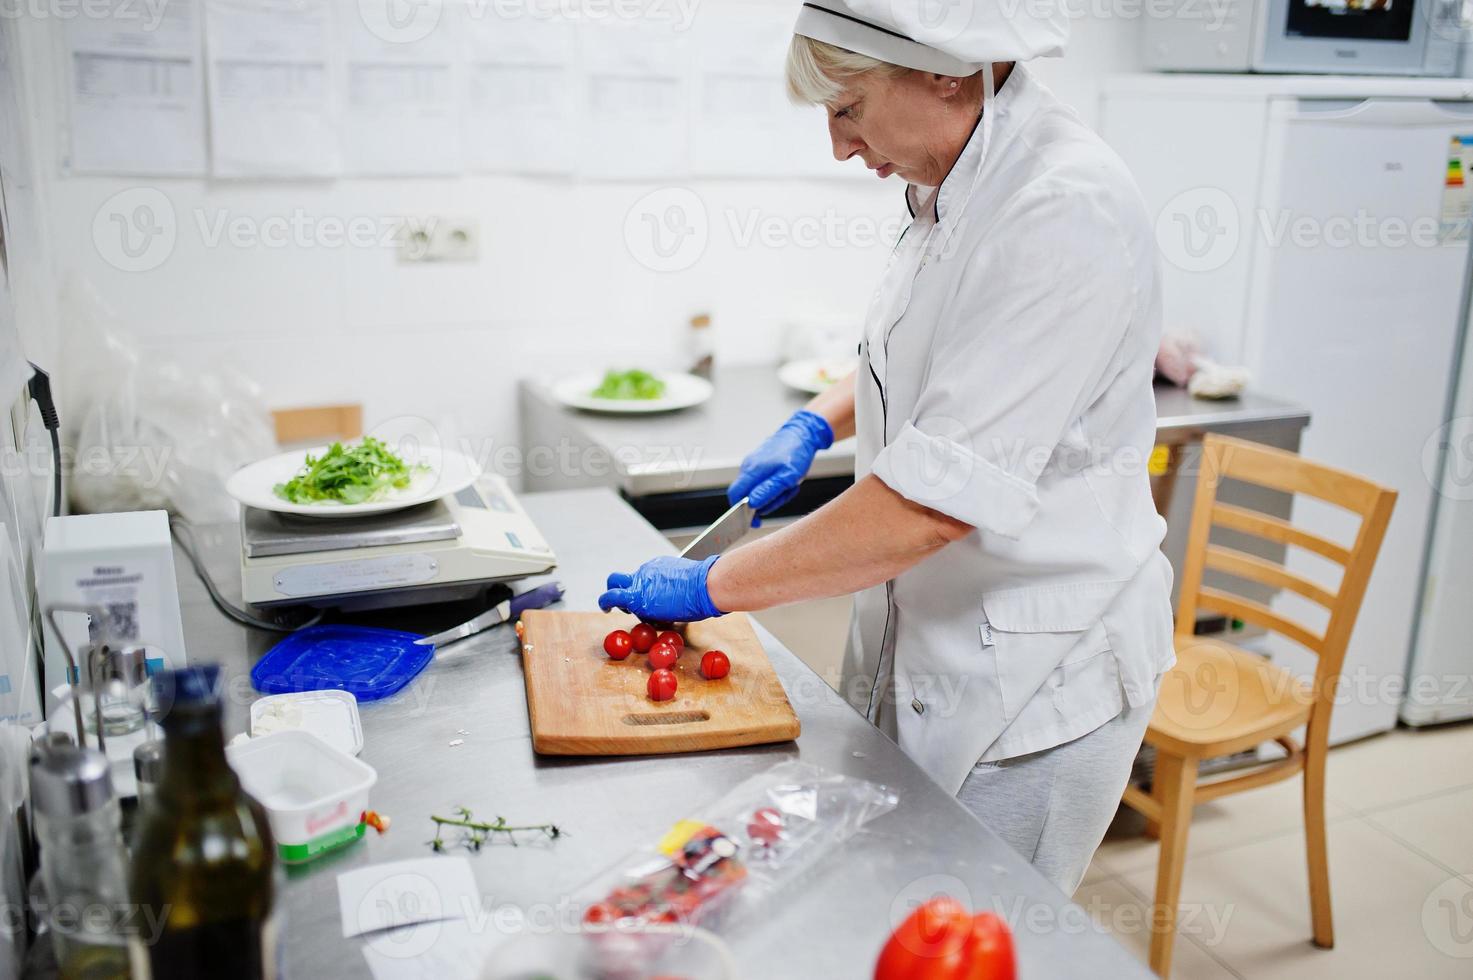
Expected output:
(445, 471)
(680, 391)
(815, 374)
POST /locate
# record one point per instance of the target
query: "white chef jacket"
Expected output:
(1005, 380)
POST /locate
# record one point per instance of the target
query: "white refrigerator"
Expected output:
(1335, 273)
(1440, 676)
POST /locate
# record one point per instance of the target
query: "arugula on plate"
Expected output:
(634, 385)
(350, 474)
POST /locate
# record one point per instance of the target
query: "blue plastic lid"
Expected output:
(369, 662)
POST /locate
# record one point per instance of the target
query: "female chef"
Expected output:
(1012, 614)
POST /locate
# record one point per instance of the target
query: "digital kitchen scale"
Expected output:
(451, 549)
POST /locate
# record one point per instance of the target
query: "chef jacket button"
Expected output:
(920, 709)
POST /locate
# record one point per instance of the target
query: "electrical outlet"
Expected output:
(414, 241)
(439, 239)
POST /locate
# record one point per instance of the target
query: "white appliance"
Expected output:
(448, 550)
(1301, 224)
(124, 564)
(1440, 676)
(1402, 37)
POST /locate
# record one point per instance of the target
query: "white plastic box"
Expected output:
(314, 795)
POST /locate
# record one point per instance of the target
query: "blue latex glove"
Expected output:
(664, 590)
(771, 473)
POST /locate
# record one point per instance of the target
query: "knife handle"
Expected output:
(543, 595)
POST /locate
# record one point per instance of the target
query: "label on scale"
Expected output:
(358, 575)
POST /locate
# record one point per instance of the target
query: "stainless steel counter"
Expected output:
(702, 447)
(831, 924)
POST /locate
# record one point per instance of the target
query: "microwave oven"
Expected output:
(1349, 37)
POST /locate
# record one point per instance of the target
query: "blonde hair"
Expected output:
(817, 71)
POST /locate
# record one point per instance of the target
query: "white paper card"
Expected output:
(520, 111)
(399, 95)
(450, 950)
(635, 97)
(135, 88)
(742, 123)
(402, 893)
(272, 111)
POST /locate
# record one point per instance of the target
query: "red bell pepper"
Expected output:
(942, 941)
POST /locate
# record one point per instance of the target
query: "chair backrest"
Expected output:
(1227, 458)
(317, 424)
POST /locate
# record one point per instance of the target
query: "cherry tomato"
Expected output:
(766, 825)
(941, 941)
(618, 644)
(662, 685)
(663, 656)
(600, 912)
(644, 637)
(673, 638)
(715, 665)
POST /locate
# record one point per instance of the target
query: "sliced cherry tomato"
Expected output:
(644, 637)
(618, 644)
(662, 685)
(714, 665)
(941, 941)
(766, 825)
(673, 638)
(662, 656)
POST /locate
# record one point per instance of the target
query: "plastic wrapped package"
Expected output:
(726, 860)
(148, 432)
(1181, 361)
(1176, 357)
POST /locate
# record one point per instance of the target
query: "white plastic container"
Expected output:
(330, 715)
(314, 795)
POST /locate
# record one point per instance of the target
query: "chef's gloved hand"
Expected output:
(665, 590)
(771, 473)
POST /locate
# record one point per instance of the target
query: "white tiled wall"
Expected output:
(555, 286)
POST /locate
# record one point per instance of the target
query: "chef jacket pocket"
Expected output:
(1036, 630)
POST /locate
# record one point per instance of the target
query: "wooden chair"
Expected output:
(1219, 699)
(318, 424)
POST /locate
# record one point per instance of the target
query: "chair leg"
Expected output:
(1153, 827)
(1318, 853)
(1176, 782)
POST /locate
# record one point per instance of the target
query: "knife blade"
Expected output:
(507, 609)
(724, 532)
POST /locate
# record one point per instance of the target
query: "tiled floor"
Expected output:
(1401, 871)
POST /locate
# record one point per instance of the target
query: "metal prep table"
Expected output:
(674, 468)
(830, 924)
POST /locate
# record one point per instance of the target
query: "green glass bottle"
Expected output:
(203, 859)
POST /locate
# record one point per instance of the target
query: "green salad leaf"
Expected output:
(635, 385)
(349, 475)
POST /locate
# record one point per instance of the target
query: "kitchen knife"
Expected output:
(507, 609)
(726, 531)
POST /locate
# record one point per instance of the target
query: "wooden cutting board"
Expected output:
(582, 702)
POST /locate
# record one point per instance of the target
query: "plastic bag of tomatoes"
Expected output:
(730, 857)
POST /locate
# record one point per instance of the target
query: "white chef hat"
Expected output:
(950, 37)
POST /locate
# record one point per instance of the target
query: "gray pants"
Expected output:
(1054, 806)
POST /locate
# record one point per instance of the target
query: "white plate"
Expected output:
(448, 472)
(815, 374)
(681, 391)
